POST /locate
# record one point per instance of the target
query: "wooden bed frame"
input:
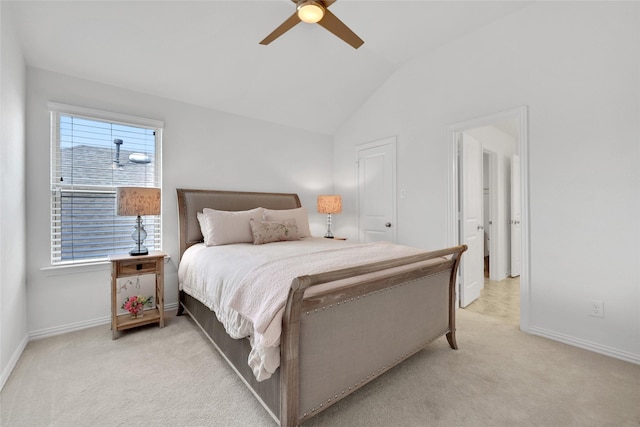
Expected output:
(340, 329)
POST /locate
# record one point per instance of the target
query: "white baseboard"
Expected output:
(6, 373)
(587, 345)
(63, 329)
(70, 327)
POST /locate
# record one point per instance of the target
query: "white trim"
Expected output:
(525, 272)
(452, 194)
(377, 143)
(586, 345)
(79, 267)
(90, 113)
(72, 327)
(71, 268)
(13, 362)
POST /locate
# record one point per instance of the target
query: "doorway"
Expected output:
(495, 163)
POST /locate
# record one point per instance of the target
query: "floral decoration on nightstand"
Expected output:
(135, 304)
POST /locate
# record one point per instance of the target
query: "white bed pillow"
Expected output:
(299, 215)
(225, 228)
(273, 231)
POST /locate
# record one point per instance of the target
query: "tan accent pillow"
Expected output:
(273, 231)
(224, 228)
(299, 215)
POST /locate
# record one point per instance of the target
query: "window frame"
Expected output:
(55, 111)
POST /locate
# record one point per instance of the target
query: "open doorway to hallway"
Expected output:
(499, 296)
(495, 143)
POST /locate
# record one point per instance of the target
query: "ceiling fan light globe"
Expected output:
(310, 12)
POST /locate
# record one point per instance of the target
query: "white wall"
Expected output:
(202, 148)
(576, 66)
(13, 295)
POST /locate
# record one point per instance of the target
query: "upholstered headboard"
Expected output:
(192, 201)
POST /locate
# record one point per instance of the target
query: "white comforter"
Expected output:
(247, 285)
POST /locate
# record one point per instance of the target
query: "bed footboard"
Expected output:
(392, 309)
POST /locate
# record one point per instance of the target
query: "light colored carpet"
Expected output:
(174, 377)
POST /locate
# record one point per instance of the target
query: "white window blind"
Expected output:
(92, 153)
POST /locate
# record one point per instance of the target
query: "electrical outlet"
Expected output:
(597, 308)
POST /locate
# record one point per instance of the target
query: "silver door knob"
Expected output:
(388, 225)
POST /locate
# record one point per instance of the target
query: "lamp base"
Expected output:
(139, 251)
(328, 234)
(138, 236)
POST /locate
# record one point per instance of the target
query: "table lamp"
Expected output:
(138, 201)
(329, 204)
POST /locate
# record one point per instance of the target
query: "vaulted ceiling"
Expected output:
(206, 53)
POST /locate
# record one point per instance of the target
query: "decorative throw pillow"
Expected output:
(299, 215)
(224, 228)
(273, 231)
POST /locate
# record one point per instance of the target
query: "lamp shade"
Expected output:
(330, 204)
(135, 201)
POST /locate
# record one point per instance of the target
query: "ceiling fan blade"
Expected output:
(331, 23)
(283, 28)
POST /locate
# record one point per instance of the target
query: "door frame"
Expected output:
(391, 142)
(453, 238)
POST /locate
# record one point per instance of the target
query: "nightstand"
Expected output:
(127, 274)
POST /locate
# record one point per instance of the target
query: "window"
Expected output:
(92, 153)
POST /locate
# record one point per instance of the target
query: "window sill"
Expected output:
(58, 270)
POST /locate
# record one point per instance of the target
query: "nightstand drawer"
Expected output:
(133, 267)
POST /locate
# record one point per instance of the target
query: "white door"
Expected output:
(376, 192)
(516, 231)
(471, 225)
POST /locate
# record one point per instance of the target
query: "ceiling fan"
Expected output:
(315, 11)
